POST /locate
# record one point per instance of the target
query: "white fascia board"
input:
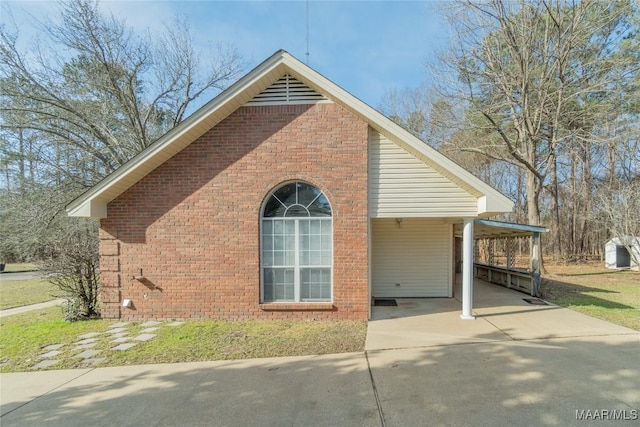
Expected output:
(83, 206)
(489, 199)
(89, 209)
(491, 206)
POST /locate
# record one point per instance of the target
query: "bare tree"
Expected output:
(113, 93)
(541, 75)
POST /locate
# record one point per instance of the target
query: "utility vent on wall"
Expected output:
(287, 90)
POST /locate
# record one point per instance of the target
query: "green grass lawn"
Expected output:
(23, 337)
(610, 295)
(24, 292)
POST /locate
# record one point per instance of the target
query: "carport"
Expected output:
(489, 251)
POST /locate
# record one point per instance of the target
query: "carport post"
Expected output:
(535, 265)
(467, 269)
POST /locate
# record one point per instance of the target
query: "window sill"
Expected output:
(298, 306)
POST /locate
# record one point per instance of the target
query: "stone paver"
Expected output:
(122, 339)
(150, 323)
(144, 337)
(119, 325)
(85, 346)
(45, 364)
(50, 354)
(53, 347)
(126, 346)
(87, 354)
(117, 330)
(85, 341)
(94, 362)
(148, 330)
(89, 335)
(175, 323)
(119, 334)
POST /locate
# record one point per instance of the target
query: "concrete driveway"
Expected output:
(514, 365)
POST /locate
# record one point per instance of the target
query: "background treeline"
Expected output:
(538, 98)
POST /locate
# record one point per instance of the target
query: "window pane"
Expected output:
(326, 257)
(315, 227)
(278, 284)
(287, 194)
(315, 258)
(304, 257)
(315, 284)
(290, 227)
(267, 258)
(278, 243)
(304, 243)
(320, 207)
(278, 258)
(326, 242)
(297, 211)
(315, 242)
(267, 227)
(273, 208)
(278, 227)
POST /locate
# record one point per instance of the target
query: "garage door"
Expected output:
(411, 258)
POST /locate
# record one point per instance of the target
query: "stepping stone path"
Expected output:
(118, 333)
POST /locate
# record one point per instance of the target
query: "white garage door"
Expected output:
(411, 258)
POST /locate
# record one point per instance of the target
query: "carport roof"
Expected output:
(487, 229)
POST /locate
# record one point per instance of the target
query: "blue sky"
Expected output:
(366, 47)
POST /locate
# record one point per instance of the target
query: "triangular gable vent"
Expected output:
(287, 90)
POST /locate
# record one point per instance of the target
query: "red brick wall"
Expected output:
(191, 227)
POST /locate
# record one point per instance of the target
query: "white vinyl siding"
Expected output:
(415, 254)
(401, 185)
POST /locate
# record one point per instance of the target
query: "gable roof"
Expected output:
(93, 203)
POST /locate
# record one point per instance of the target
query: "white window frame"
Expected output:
(297, 266)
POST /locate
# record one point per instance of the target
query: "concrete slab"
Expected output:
(118, 324)
(85, 346)
(312, 390)
(121, 339)
(50, 354)
(425, 322)
(94, 362)
(124, 346)
(119, 334)
(175, 324)
(20, 388)
(45, 364)
(114, 331)
(508, 382)
(501, 314)
(86, 341)
(145, 337)
(150, 323)
(148, 330)
(89, 335)
(87, 354)
(31, 307)
(53, 347)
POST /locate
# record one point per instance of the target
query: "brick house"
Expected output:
(285, 197)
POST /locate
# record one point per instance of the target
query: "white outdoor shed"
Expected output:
(623, 253)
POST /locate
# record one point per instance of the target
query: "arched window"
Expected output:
(297, 245)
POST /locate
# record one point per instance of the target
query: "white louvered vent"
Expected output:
(287, 90)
